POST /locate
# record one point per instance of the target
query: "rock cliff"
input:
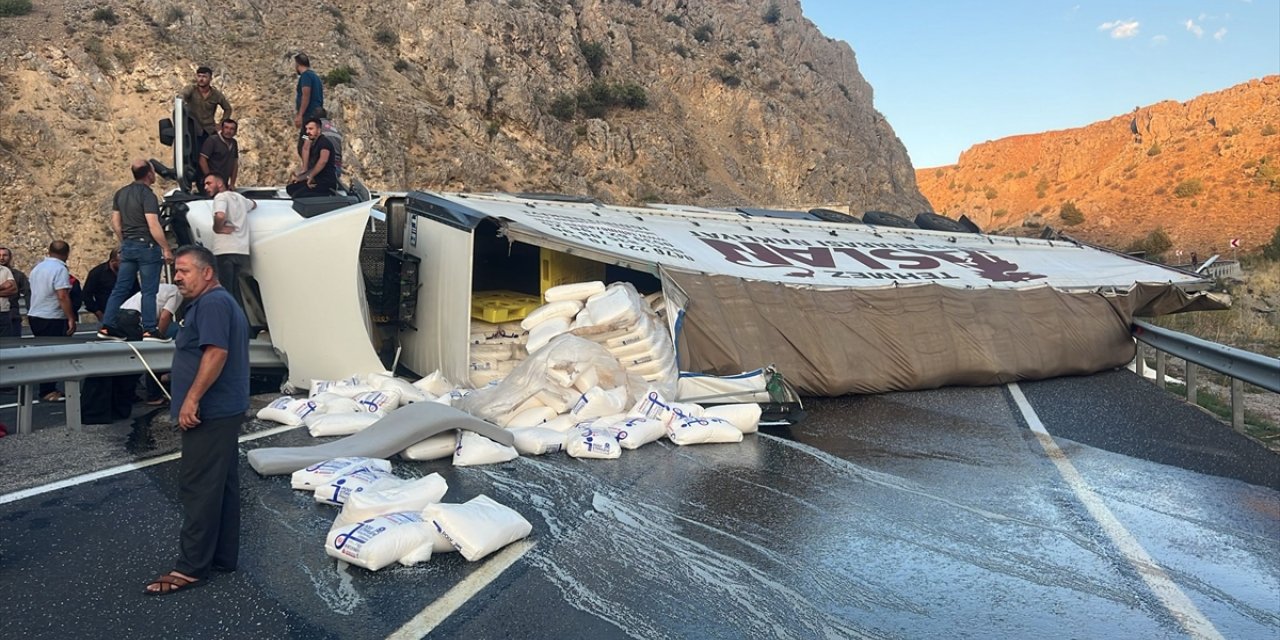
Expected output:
(1203, 171)
(745, 102)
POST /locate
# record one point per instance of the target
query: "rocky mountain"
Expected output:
(1200, 172)
(709, 102)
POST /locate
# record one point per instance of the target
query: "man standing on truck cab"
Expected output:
(308, 98)
(221, 154)
(203, 100)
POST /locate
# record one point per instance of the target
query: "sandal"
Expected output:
(171, 582)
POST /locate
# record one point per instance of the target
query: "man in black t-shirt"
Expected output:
(320, 178)
(135, 217)
(220, 154)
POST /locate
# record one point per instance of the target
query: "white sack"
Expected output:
(407, 392)
(474, 449)
(438, 446)
(540, 335)
(412, 495)
(404, 537)
(560, 424)
(346, 387)
(619, 304)
(690, 430)
(531, 417)
(287, 410)
(746, 416)
(636, 432)
(574, 291)
(339, 424)
(585, 442)
(478, 527)
(339, 489)
(598, 402)
(334, 403)
(566, 309)
(379, 402)
(435, 384)
(536, 441)
(321, 473)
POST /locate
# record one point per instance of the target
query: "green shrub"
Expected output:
(681, 51)
(564, 107)
(401, 65)
(105, 15)
(595, 54)
(1154, 150)
(1233, 131)
(674, 19)
(386, 37)
(991, 194)
(1272, 249)
(1154, 244)
(342, 75)
(727, 77)
(1268, 129)
(703, 33)
(773, 14)
(1189, 188)
(14, 8)
(595, 100)
(1070, 214)
(732, 57)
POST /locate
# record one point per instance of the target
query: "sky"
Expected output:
(949, 74)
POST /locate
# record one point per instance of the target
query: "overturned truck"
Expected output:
(839, 307)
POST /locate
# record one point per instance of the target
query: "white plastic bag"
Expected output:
(404, 537)
(474, 449)
(384, 498)
(619, 304)
(358, 480)
(566, 309)
(690, 430)
(586, 442)
(407, 392)
(746, 416)
(636, 432)
(322, 473)
(536, 441)
(438, 446)
(339, 424)
(478, 527)
(542, 334)
(346, 387)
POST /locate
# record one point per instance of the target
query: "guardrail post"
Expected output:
(1161, 361)
(1140, 363)
(1237, 404)
(1192, 370)
(26, 398)
(73, 403)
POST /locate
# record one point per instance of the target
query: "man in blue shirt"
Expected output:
(308, 98)
(210, 379)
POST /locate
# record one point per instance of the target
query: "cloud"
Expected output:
(1159, 40)
(1194, 28)
(1120, 28)
(1220, 34)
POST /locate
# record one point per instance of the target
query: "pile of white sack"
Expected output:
(496, 349)
(386, 519)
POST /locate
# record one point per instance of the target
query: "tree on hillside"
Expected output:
(1071, 214)
(1271, 250)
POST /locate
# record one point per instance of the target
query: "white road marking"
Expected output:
(124, 468)
(1173, 599)
(442, 608)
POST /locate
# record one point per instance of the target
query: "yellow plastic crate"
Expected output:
(561, 268)
(502, 306)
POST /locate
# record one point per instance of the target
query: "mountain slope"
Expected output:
(743, 105)
(1205, 171)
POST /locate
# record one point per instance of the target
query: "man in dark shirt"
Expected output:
(210, 397)
(220, 154)
(143, 250)
(319, 179)
(203, 100)
(99, 283)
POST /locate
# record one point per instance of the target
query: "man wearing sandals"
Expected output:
(210, 380)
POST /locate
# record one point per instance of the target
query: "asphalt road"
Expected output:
(906, 515)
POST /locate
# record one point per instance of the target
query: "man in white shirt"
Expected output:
(8, 287)
(50, 312)
(230, 233)
(167, 300)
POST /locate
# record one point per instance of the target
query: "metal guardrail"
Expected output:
(1237, 364)
(26, 366)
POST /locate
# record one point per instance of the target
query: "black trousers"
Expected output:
(230, 266)
(47, 327)
(209, 488)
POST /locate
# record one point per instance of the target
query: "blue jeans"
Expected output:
(137, 257)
